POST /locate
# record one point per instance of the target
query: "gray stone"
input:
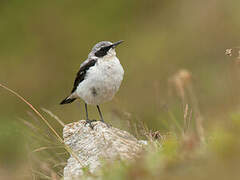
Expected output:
(93, 145)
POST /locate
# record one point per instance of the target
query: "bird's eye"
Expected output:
(102, 51)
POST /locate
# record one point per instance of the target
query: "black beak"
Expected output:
(116, 43)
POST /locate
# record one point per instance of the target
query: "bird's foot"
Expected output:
(90, 123)
(108, 125)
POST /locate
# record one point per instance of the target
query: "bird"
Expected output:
(98, 78)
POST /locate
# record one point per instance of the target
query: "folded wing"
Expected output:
(79, 78)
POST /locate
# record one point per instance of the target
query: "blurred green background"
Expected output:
(43, 43)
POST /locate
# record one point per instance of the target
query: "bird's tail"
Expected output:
(68, 100)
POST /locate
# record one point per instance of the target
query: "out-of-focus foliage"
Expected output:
(181, 158)
(44, 42)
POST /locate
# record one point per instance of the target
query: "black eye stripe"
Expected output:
(106, 48)
(102, 51)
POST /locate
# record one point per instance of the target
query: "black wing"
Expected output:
(82, 73)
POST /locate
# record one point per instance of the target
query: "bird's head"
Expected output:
(104, 49)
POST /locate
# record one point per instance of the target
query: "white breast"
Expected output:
(102, 81)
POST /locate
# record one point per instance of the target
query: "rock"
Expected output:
(93, 145)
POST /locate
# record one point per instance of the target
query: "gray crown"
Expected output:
(99, 45)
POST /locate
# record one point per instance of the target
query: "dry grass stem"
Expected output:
(43, 119)
(180, 80)
(185, 118)
(34, 109)
(54, 116)
(182, 83)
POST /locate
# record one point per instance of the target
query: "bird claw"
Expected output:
(90, 123)
(108, 125)
(91, 126)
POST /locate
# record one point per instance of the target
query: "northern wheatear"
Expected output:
(99, 77)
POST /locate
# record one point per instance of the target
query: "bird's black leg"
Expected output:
(86, 111)
(87, 120)
(101, 115)
(99, 111)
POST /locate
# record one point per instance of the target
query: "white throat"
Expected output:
(110, 55)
